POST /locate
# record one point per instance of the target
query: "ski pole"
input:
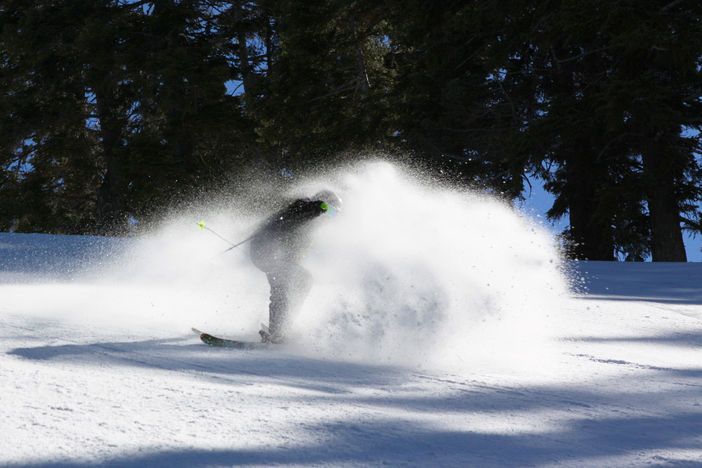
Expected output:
(201, 225)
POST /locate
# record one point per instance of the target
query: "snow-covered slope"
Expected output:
(442, 331)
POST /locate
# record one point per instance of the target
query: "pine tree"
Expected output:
(323, 95)
(653, 96)
(604, 122)
(445, 93)
(136, 94)
(46, 151)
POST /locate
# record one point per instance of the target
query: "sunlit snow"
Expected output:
(443, 330)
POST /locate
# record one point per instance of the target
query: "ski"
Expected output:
(226, 343)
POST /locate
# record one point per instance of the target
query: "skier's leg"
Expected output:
(300, 286)
(289, 288)
(278, 309)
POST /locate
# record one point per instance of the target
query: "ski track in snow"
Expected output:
(620, 385)
(627, 391)
(83, 397)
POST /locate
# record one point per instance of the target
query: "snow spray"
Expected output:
(418, 275)
(408, 274)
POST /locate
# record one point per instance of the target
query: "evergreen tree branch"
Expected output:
(670, 5)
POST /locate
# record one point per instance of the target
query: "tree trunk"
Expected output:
(666, 235)
(244, 61)
(360, 64)
(111, 214)
(269, 45)
(592, 237)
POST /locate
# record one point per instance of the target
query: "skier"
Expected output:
(277, 248)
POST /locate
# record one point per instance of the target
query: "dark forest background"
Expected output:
(112, 111)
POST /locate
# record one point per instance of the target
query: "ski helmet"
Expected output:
(331, 200)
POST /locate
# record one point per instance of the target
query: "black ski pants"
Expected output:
(290, 285)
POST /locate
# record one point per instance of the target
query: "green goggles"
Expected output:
(330, 210)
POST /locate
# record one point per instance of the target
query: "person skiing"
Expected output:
(277, 248)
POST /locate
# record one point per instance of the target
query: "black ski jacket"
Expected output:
(283, 237)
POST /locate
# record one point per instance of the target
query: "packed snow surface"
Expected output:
(443, 330)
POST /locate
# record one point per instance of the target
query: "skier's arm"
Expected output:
(300, 212)
(305, 209)
(297, 213)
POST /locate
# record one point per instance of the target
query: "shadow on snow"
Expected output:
(383, 444)
(591, 430)
(667, 283)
